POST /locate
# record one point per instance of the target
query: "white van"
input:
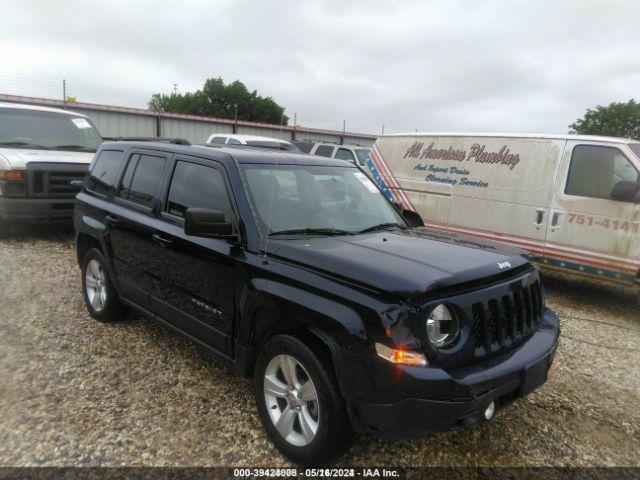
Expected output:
(570, 200)
(42, 150)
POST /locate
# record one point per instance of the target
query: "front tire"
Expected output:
(299, 402)
(100, 295)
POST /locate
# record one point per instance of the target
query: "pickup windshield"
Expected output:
(318, 200)
(35, 129)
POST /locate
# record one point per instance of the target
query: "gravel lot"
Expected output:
(77, 392)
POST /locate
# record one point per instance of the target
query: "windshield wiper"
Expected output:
(22, 144)
(311, 231)
(74, 147)
(382, 226)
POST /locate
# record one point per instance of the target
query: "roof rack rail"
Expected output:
(330, 142)
(176, 141)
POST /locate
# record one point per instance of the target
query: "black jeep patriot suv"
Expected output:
(298, 271)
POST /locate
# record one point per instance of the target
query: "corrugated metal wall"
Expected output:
(195, 132)
(117, 124)
(132, 122)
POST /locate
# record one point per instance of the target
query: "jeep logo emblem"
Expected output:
(503, 265)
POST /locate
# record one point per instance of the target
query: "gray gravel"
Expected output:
(77, 392)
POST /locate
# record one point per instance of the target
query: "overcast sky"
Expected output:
(512, 66)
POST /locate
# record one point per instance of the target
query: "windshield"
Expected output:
(21, 128)
(302, 197)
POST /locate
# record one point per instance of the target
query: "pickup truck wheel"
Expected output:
(299, 402)
(100, 296)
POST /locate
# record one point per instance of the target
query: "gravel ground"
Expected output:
(77, 392)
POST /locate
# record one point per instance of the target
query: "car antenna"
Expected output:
(266, 240)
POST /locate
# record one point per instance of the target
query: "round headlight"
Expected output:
(442, 326)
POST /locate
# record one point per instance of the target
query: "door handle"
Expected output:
(159, 239)
(113, 221)
(539, 218)
(554, 220)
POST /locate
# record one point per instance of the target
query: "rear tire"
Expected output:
(100, 296)
(301, 409)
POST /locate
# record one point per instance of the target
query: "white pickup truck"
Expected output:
(42, 151)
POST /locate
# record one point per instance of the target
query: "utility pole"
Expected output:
(175, 88)
(235, 125)
(64, 91)
(382, 129)
(295, 125)
(344, 129)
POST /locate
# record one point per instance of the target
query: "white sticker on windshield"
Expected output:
(366, 182)
(81, 122)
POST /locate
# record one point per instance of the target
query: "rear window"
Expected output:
(324, 151)
(305, 147)
(141, 179)
(344, 154)
(104, 171)
(635, 147)
(275, 145)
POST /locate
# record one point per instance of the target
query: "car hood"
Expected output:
(19, 158)
(405, 263)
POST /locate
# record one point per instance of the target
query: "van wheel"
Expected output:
(299, 402)
(100, 296)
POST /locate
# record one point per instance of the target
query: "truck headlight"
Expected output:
(442, 326)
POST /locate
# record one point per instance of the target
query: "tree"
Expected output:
(216, 99)
(616, 120)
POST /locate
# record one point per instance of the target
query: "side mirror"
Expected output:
(202, 222)
(626, 191)
(413, 218)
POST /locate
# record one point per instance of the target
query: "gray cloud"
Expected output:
(435, 66)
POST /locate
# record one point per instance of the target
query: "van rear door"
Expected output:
(589, 231)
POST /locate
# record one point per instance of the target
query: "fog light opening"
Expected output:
(491, 409)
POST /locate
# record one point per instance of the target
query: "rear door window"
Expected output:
(233, 141)
(196, 185)
(104, 172)
(324, 151)
(219, 140)
(142, 178)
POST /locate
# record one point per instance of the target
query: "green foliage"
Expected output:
(616, 120)
(219, 100)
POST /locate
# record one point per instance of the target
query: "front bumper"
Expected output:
(36, 210)
(431, 399)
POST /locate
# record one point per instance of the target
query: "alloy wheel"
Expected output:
(96, 285)
(292, 400)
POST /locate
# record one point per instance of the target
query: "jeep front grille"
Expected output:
(501, 322)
